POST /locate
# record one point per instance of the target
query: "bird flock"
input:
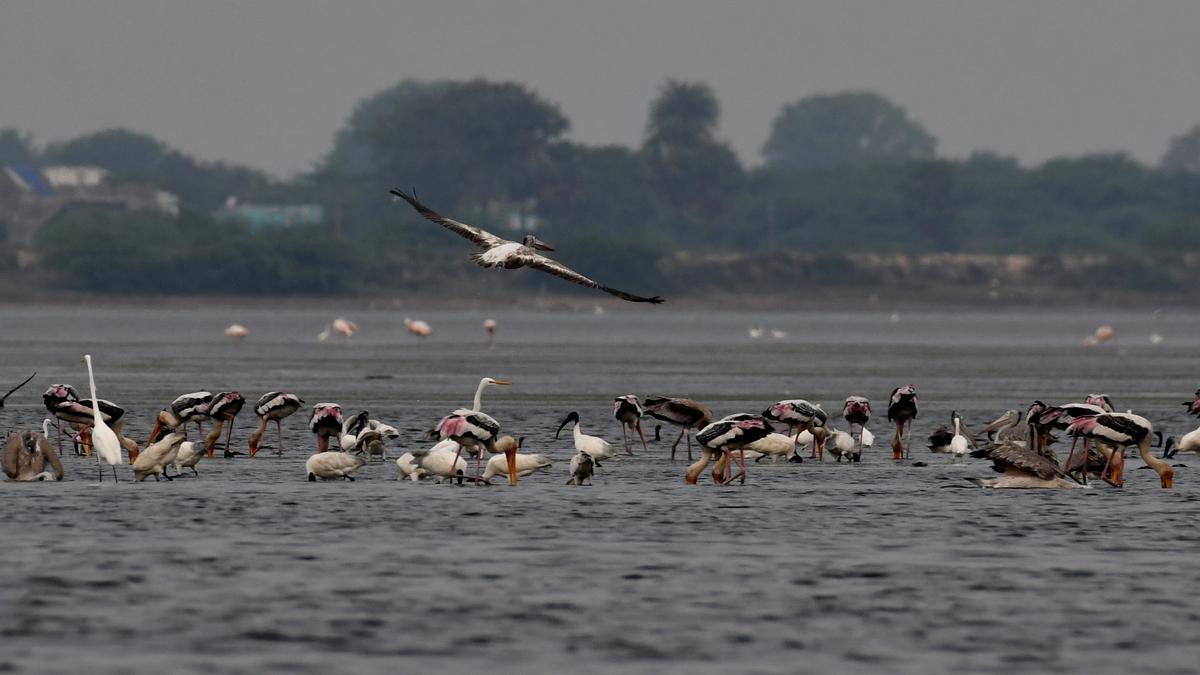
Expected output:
(1019, 445)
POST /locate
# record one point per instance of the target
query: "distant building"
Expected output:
(30, 197)
(260, 216)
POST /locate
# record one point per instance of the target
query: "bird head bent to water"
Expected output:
(535, 243)
(571, 417)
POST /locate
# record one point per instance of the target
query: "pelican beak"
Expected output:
(541, 245)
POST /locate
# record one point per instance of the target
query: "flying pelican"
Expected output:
(596, 448)
(27, 453)
(628, 412)
(153, 461)
(681, 412)
(1123, 430)
(798, 413)
(902, 409)
(489, 327)
(222, 409)
(512, 255)
(102, 438)
(725, 435)
(418, 327)
(525, 463)
(332, 464)
(273, 406)
(326, 421)
(10, 391)
(857, 410)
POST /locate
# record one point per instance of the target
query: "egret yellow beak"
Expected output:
(501, 382)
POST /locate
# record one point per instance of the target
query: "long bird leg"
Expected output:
(642, 435)
(676, 444)
(99, 469)
(897, 448)
(279, 428)
(1071, 454)
(908, 441)
(625, 438)
(689, 442)
(742, 463)
(228, 437)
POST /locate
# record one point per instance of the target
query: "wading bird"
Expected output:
(1123, 430)
(332, 464)
(959, 443)
(526, 463)
(857, 410)
(902, 409)
(797, 413)
(725, 435)
(512, 255)
(192, 407)
(189, 455)
(418, 328)
(628, 411)
(472, 428)
(273, 406)
(153, 461)
(326, 423)
(1023, 467)
(222, 409)
(681, 412)
(581, 469)
(27, 454)
(596, 448)
(237, 331)
(489, 328)
(102, 439)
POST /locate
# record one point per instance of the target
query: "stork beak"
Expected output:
(1168, 479)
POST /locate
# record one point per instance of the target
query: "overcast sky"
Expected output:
(268, 82)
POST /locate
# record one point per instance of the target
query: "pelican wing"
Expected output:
(10, 391)
(561, 271)
(47, 451)
(1017, 456)
(482, 238)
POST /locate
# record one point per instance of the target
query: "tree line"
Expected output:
(840, 173)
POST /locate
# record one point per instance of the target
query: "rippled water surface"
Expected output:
(873, 567)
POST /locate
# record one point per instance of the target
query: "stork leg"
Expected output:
(1071, 454)
(279, 429)
(908, 441)
(897, 448)
(625, 438)
(641, 434)
(676, 444)
(228, 437)
(689, 442)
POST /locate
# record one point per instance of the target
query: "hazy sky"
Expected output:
(268, 82)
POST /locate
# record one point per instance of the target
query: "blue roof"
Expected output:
(33, 178)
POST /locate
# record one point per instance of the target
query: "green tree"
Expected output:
(16, 148)
(1183, 152)
(856, 127)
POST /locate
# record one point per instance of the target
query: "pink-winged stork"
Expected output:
(681, 412)
(628, 411)
(192, 407)
(857, 410)
(800, 414)
(1193, 406)
(326, 422)
(473, 429)
(222, 409)
(273, 406)
(1060, 417)
(1123, 430)
(725, 435)
(902, 409)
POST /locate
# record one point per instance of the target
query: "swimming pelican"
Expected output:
(27, 453)
(902, 409)
(725, 435)
(222, 409)
(153, 461)
(10, 391)
(525, 463)
(418, 328)
(1022, 467)
(628, 412)
(326, 422)
(512, 255)
(332, 464)
(103, 439)
(681, 412)
(273, 406)
(596, 448)
(1123, 430)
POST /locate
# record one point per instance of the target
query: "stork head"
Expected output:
(535, 243)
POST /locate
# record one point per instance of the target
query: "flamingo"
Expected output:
(595, 447)
(798, 413)
(512, 255)
(273, 406)
(236, 331)
(902, 409)
(1123, 430)
(102, 438)
(681, 412)
(857, 410)
(725, 435)
(326, 422)
(489, 327)
(332, 464)
(341, 325)
(418, 328)
(628, 411)
(222, 409)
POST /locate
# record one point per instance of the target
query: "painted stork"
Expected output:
(681, 412)
(1123, 430)
(725, 435)
(325, 422)
(192, 407)
(797, 413)
(473, 429)
(857, 410)
(1060, 417)
(222, 409)
(102, 439)
(329, 465)
(273, 406)
(902, 409)
(27, 454)
(628, 411)
(512, 255)
(10, 391)
(596, 448)
(66, 406)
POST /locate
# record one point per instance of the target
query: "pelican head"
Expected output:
(571, 417)
(535, 243)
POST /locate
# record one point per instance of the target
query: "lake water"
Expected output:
(871, 567)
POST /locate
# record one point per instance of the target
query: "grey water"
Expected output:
(881, 566)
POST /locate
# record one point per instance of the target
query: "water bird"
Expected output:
(902, 409)
(223, 407)
(273, 406)
(154, 459)
(681, 412)
(797, 413)
(959, 443)
(192, 407)
(841, 444)
(489, 328)
(10, 391)
(332, 464)
(189, 455)
(857, 410)
(27, 455)
(773, 445)
(595, 447)
(524, 463)
(581, 469)
(102, 439)
(1123, 430)
(341, 326)
(725, 435)
(237, 331)
(512, 255)
(325, 423)
(474, 429)
(755, 332)
(1193, 406)
(1189, 443)
(628, 411)
(418, 328)
(352, 426)
(1022, 466)
(442, 460)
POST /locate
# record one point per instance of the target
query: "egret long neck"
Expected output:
(92, 385)
(479, 396)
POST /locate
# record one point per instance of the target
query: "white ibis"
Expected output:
(596, 448)
(273, 406)
(902, 409)
(501, 253)
(681, 412)
(628, 411)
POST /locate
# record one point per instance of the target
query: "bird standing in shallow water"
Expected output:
(902, 409)
(273, 406)
(628, 412)
(681, 412)
(102, 439)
